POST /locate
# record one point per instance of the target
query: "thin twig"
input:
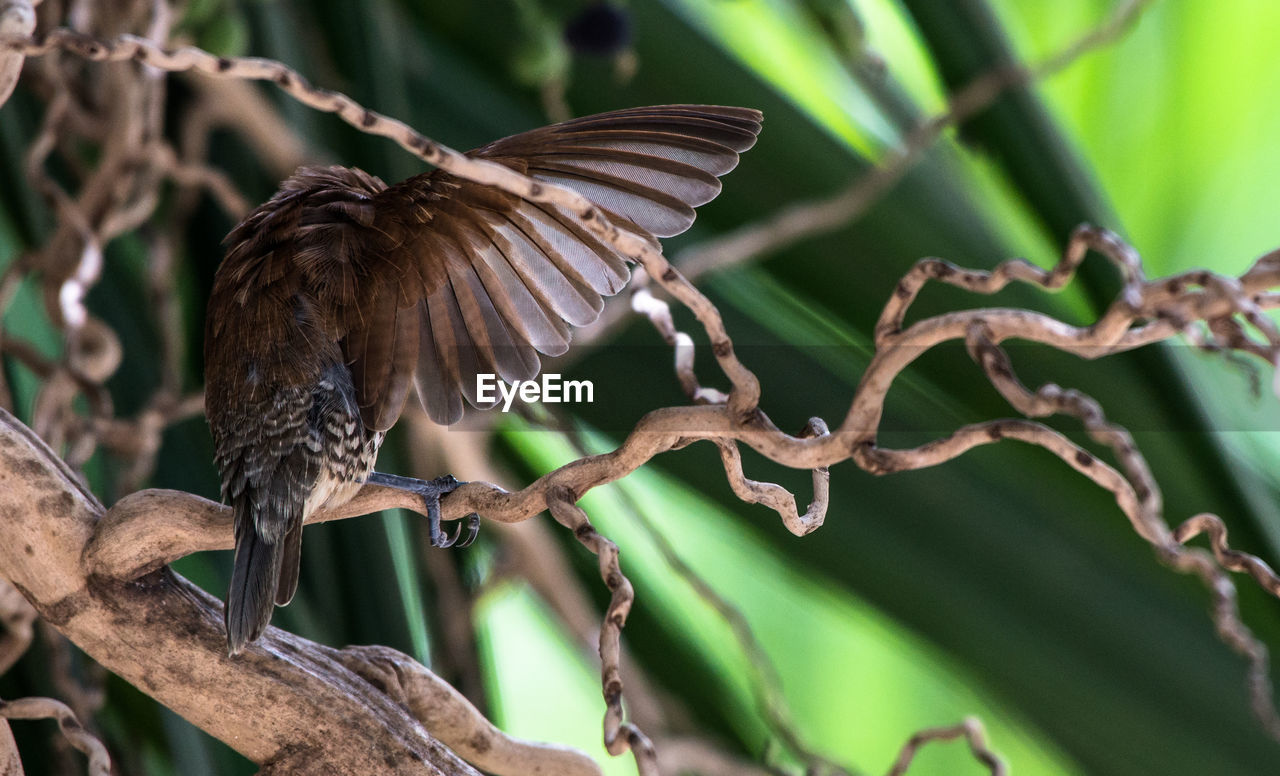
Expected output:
(970, 729)
(48, 708)
(766, 685)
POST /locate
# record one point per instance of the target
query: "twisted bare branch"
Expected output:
(970, 729)
(1232, 560)
(619, 735)
(48, 708)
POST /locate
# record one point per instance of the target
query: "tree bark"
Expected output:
(286, 703)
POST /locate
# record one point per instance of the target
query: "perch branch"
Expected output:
(165, 636)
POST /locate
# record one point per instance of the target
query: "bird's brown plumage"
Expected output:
(340, 293)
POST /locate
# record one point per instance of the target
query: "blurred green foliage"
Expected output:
(1001, 585)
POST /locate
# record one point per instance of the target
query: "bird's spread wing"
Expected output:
(484, 281)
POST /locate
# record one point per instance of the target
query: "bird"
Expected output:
(340, 295)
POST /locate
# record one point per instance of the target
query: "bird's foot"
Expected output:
(430, 491)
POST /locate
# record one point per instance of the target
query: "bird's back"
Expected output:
(279, 396)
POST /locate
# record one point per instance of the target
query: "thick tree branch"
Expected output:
(451, 717)
(287, 703)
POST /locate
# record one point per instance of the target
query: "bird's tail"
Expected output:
(256, 584)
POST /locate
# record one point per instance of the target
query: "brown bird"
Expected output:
(340, 292)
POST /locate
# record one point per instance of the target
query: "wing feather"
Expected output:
(502, 353)
(447, 408)
(559, 291)
(603, 268)
(546, 332)
(432, 379)
(490, 280)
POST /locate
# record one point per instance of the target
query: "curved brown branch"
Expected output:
(1232, 560)
(766, 685)
(972, 732)
(1143, 496)
(151, 528)
(619, 736)
(48, 708)
(776, 497)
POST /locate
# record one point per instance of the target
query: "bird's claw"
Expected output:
(443, 541)
(439, 538)
(430, 491)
